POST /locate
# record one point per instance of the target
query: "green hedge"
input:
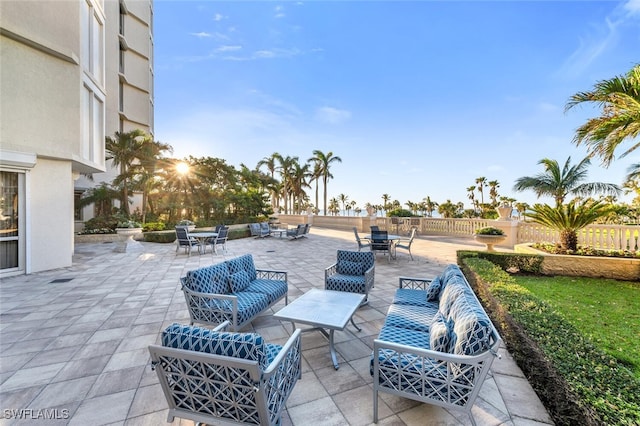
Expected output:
(577, 382)
(160, 236)
(512, 262)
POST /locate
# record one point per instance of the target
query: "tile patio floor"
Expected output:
(80, 346)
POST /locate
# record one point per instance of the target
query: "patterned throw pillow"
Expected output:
(239, 281)
(433, 291)
(439, 335)
(350, 268)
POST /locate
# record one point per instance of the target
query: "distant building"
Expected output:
(71, 73)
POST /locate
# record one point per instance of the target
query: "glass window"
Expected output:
(9, 204)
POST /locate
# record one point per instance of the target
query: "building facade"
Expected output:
(72, 72)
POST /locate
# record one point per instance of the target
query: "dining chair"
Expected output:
(361, 245)
(380, 242)
(405, 244)
(221, 239)
(184, 240)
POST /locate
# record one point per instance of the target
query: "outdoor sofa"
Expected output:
(233, 290)
(260, 230)
(212, 376)
(436, 345)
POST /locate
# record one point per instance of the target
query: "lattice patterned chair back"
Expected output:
(211, 376)
(353, 272)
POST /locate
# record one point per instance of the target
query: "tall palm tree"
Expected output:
(286, 168)
(325, 161)
(385, 202)
(150, 162)
(271, 163)
(569, 219)
(430, 206)
(619, 98)
(343, 198)
(472, 195)
(125, 149)
(481, 182)
(558, 183)
(493, 191)
(298, 179)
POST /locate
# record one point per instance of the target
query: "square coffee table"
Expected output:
(323, 310)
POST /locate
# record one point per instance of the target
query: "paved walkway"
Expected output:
(74, 341)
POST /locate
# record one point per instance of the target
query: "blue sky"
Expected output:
(418, 98)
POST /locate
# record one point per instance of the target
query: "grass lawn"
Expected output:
(607, 311)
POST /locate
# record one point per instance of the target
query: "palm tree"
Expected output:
(385, 201)
(151, 162)
(472, 196)
(343, 198)
(271, 164)
(569, 219)
(124, 149)
(558, 183)
(481, 182)
(101, 197)
(325, 161)
(286, 168)
(493, 191)
(430, 206)
(619, 98)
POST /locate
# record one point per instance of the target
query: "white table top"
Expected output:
(322, 308)
(203, 234)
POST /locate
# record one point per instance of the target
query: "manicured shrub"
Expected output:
(512, 262)
(160, 236)
(577, 382)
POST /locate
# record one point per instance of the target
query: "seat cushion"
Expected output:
(348, 283)
(273, 289)
(417, 318)
(244, 262)
(249, 346)
(212, 279)
(440, 334)
(404, 336)
(346, 267)
(411, 296)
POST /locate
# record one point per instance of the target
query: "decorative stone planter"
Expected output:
(504, 213)
(489, 240)
(126, 243)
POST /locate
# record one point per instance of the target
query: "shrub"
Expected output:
(489, 231)
(129, 224)
(577, 382)
(511, 262)
(399, 213)
(160, 236)
(153, 226)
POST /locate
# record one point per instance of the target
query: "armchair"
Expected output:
(380, 242)
(405, 244)
(354, 272)
(212, 376)
(361, 245)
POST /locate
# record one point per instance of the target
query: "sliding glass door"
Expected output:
(11, 215)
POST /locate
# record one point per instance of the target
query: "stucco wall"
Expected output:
(50, 228)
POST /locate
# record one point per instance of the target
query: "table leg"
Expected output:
(334, 358)
(354, 324)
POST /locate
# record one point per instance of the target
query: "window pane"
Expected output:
(85, 35)
(97, 50)
(97, 147)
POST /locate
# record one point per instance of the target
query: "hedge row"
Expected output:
(170, 235)
(576, 381)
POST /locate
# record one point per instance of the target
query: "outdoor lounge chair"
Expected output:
(406, 244)
(221, 239)
(361, 245)
(354, 272)
(297, 232)
(260, 230)
(212, 376)
(184, 240)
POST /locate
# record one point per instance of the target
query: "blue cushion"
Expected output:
(248, 346)
(273, 289)
(440, 335)
(367, 258)
(346, 267)
(211, 279)
(433, 291)
(417, 318)
(411, 296)
(244, 262)
(239, 281)
(347, 283)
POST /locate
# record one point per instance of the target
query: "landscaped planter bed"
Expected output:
(619, 268)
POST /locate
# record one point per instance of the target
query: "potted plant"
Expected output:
(490, 236)
(126, 230)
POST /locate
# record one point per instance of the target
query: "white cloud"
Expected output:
(202, 34)
(632, 6)
(332, 115)
(218, 17)
(279, 12)
(228, 48)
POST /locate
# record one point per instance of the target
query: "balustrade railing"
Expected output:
(606, 237)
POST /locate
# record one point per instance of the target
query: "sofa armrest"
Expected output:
(293, 347)
(269, 274)
(369, 276)
(211, 308)
(414, 283)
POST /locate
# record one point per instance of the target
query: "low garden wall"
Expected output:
(619, 268)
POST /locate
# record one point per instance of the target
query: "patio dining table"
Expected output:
(394, 239)
(202, 238)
